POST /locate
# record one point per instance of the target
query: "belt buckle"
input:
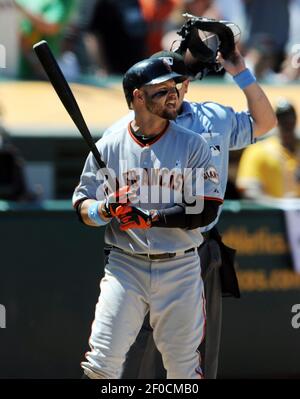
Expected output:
(155, 256)
(166, 255)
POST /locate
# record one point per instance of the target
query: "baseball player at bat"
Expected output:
(224, 130)
(152, 236)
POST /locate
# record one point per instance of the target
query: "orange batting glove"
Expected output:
(113, 205)
(132, 217)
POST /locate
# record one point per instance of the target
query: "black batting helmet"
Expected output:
(149, 72)
(178, 61)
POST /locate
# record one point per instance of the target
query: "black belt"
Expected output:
(166, 255)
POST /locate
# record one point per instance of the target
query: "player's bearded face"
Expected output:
(163, 100)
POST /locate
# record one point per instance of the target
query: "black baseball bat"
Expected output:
(66, 96)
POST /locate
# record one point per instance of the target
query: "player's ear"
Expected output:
(185, 85)
(138, 96)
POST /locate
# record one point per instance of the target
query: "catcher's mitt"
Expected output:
(202, 38)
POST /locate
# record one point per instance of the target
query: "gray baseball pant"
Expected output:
(171, 290)
(144, 361)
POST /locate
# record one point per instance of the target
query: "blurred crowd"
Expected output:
(105, 37)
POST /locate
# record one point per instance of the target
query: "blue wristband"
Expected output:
(244, 79)
(94, 216)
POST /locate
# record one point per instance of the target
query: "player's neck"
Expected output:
(149, 128)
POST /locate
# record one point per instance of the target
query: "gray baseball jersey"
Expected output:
(123, 153)
(222, 127)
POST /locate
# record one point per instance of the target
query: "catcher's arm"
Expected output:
(259, 106)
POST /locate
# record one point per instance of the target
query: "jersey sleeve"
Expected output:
(236, 127)
(241, 130)
(201, 159)
(89, 186)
